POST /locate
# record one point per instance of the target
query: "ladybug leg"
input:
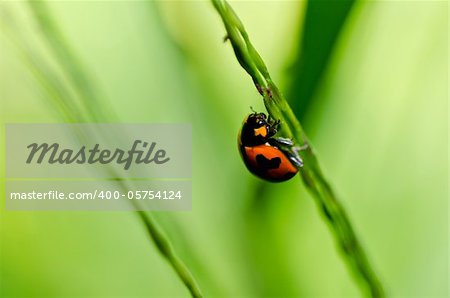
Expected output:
(300, 148)
(277, 123)
(295, 159)
(297, 149)
(273, 122)
(281, 142)
(290, 150)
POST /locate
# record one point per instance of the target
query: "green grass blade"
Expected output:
(312, 176)
(89, 94)
(320, 30)
(88, 99)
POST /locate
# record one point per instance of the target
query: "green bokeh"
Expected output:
(378, 120)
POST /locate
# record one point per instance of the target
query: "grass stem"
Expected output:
(82, 109)
(312, 175)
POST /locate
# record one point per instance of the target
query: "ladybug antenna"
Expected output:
(254, 112)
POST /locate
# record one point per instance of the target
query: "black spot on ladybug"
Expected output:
(267, 164)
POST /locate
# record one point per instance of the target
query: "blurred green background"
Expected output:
(368, 80)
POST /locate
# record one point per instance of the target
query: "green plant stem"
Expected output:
(312, 176)
(165, 247)
(73, 110)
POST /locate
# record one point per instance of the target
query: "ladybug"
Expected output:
(272, 159)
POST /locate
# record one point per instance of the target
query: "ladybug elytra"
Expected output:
(270, 158)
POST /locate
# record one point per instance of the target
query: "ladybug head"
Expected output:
(257, 130)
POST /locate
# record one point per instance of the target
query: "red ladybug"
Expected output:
(270, 158)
